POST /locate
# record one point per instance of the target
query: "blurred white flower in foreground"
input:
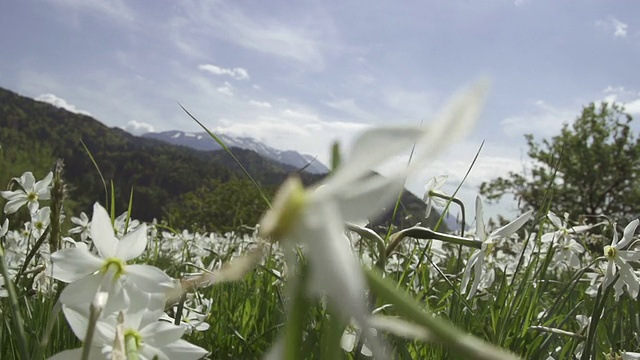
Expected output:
(315, 218)
(30, 193)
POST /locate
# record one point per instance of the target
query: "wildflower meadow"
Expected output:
(312, 281)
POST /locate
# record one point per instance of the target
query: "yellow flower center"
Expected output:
(113, 263)
(287, 208)
(131, 334)
(610, 252)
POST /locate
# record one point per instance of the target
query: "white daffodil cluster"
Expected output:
(105, 293)
(126, 300)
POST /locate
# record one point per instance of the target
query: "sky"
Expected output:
(302, 74)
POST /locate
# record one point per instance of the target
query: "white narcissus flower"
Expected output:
(152, 338)
(630, 355)
(564, 232)
(86, 272)
(476, 261)
(315, 218)
(83, 226)
(39, 221)
(431, 188)
(618, 261)
(567, 249)
(30, 193)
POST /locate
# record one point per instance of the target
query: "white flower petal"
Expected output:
(27, 181)
(148, 278)
(42, 187)
(334, 269)
(132, 244)
(629, 255)
(102, 232)
(161, 333)
(368, 198)
(14, 204)
(81, 292)
(76, 354)
(477, 276)
(555, 220)
(78, 321)
(513, 226)
(629, 278)
(374, 147)
(609, 274)
(453, 123)
(466, 276)
(628, 234)
(180, 349)
(480, 230)
(71, 264)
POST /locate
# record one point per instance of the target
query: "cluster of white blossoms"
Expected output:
(106, 296)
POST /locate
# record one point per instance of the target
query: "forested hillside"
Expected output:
(33, 134)
(182, 185)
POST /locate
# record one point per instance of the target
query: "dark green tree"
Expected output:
(218, 207)
(590, 168)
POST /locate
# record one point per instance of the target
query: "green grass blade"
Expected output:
(129, 209)
(93, 160)
(228, 151)
(15, 308)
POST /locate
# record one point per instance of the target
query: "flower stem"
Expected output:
(58, 193)
(131, 344)
(428, 234)
(15, 308)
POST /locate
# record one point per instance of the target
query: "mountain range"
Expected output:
(202, 141)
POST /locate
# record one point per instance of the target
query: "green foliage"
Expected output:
(218, 207)
(590, 168)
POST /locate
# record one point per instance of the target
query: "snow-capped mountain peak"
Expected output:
(202, 141)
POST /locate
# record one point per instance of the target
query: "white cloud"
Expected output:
(628, 98)
(61, 103)
(545, 121)
(263, 34)
(633, 107)
(262, 104)
(611, 24)
(236, 73)
(349, 107)
(409, 105)
(227, 89)
(138, 127)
